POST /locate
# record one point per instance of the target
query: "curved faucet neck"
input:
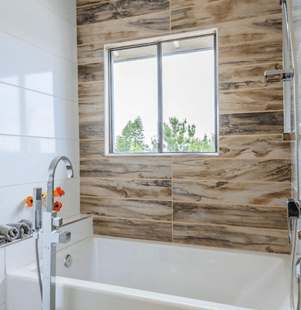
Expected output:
(51, 174)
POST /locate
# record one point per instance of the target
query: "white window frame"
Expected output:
(108, 100)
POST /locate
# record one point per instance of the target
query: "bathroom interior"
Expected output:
(150, 154)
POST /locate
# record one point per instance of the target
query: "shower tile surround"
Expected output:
(38, 110)
(235, 200)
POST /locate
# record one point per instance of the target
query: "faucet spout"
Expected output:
(51, 175)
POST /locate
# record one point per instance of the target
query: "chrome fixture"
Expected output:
(52, 236)
(68, 261)
(278, 76)
(293, 216)
(36, 227)
(289, 64)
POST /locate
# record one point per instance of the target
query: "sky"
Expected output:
(188, 92)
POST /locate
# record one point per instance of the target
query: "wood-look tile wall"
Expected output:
(235, 200)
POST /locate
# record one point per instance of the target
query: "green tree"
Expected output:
(131, 139)
(179, 137)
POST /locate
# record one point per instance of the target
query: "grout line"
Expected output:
(93, 82)
(221, 24)
(39, 92)
(38, 182)
(131, 219)
(227, 225)
(188, 223)
(270, 88)
(258, 64)
(111, 21)
(39, 47)
(201, 158)
(121, 179)
(127, 38)
(56, 13)
(125, 198)
(252, 112)
(38, 137)
(185, 201)
(179, 180)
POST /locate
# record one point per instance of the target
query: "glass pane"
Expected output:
(135, 99)
(188, 68)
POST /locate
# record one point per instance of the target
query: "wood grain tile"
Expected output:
(205, 12)
(261, 28)
(145, 230)
(250, 53)
(251, 123)
(91, 112)
(91, 149)
(91, 130)
(124, 29)
(243, 238)
(274, 194)
(127, 208)
(248, 100)
(80, 3)
(90, 73)
(246, 77)
(91, 53)
(199, 169)
(126, 188)
(91, 92)
(113, 10)
(268, 217)
(130, 167)
(249, 147)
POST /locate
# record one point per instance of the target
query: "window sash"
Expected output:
(112, 139)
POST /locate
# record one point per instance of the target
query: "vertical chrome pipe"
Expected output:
(49, 238)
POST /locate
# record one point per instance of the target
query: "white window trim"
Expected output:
(107, 103)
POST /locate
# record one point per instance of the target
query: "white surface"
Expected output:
(2, 307)
(65, 8)
(39, 110)
(34, 23)
(34, 68)
(29, 113)
(27, 159)
(23, 253)
(2, 277)
(120, 274)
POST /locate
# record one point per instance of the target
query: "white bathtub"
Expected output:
(118, 274)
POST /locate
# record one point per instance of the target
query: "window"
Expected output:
(161, 96)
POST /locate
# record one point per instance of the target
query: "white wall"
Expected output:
(38, 104)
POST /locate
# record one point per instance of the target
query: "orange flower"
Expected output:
(58, 192)
(29, 201)
(57, 206)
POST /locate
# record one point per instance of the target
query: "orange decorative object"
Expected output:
(29, 201)
(57, 206)
(58, 192)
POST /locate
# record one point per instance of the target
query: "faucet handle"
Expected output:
(57, 221)
(64, 236)
(293, 211)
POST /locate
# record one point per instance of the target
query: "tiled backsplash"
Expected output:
(235, 200)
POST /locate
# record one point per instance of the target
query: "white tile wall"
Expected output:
(32, 22)
(2, 277)
(38, 108)
(30, 113)
(34, 68)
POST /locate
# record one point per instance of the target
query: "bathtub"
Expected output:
(117, 274)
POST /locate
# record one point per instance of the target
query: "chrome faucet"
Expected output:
(52, 236)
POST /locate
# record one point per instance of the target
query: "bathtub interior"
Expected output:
(238, 278)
